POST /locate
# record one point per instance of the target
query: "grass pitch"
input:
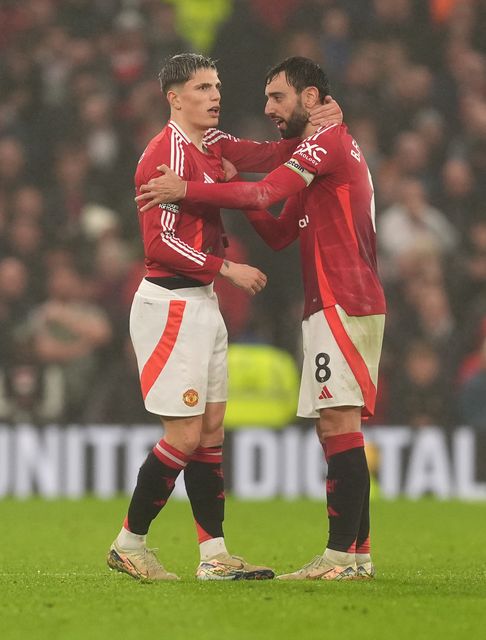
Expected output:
(54, 583)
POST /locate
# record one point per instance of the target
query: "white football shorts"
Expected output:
(341, 358)
(181, 343)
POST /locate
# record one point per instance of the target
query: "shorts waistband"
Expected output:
(152, 290)
(174, 282)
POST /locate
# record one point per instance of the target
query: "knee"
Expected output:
(190, 441)
(212, 436)
(338, 420)
(324, 429)
(184, 435)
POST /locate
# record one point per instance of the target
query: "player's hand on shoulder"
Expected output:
(248, 278)
(326, 114)
(168, 187)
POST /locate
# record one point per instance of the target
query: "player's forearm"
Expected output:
(270, 229)
(278, 185)
(180, 259)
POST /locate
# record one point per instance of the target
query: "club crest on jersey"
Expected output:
(191, 397)
(311, 151)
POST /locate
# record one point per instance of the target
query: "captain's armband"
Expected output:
(306, 175)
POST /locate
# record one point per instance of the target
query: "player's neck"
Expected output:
(194, 133)
(309, 130)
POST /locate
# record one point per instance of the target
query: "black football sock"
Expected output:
(155, 483)
(363, 544)
(205, 488)
(347, 479)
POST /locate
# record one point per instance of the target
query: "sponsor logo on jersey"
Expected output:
(191, 397)
(207, 179)
(311, 151)
(303, 222)
(170, 206)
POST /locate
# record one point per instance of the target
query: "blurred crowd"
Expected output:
(79, 100)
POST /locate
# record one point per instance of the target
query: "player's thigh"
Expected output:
(218, 361)
(173, 342)
(340, 361)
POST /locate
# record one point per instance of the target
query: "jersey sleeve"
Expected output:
(317, 155)
(163, 246)
(162, 243)
(248, 155)
(278, 185)
(279, 232)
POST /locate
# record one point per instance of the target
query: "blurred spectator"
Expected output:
(12, 164)
(30, 391)
(411, 227)
(335, 40)
(164, 37)
(419, 394)
(109, 401)
(472, 396)
(14, 302)
(459, 196)
(69, 330)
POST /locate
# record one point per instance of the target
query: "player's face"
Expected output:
(199, 99)
(284, 107)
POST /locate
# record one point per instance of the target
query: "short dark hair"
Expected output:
(180, 68)
(301, 73)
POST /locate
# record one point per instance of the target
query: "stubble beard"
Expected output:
(296, 124)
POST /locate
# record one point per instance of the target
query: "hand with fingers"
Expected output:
(248, 278)
(169, 187)
(326, 114)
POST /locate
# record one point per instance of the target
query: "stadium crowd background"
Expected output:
(79, 99)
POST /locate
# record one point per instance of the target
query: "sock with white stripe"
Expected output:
(155, 483)
(204, 481)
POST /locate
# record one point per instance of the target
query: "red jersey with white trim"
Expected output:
(183, 238)
(248, 155)
(335, 219)
(331, 209)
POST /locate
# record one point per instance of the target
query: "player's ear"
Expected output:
(310, 97)
(174, 100)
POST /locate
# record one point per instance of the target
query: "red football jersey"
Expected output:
(334, 218)
(248, 155)
(184, 238)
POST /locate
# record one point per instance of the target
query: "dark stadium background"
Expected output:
(79, 99)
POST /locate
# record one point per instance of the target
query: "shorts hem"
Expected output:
(332, 405)
(175, 415)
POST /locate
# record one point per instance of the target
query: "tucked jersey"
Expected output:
(331, 210)
(184, 238)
